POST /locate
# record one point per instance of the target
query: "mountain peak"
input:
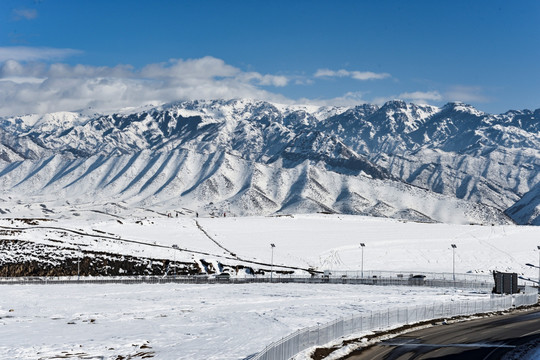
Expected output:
(395, 104)
(228, 146)
(463, 108)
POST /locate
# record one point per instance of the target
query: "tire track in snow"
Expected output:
(212, 239)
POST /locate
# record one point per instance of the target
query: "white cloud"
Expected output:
(331, 73)
(421, 96)
(25, 53)
(357, 75)
(466, 94)
(358, 98)
(368, 75)
(195, 69)
(380, 100)
(267, 80)
(348, 99)
(36, 87)
(26, 14)
(29, 83)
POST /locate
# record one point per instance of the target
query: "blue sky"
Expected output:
(68, 55)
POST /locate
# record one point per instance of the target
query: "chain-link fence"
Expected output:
(473, 277)
(412, 281)
(380, 320)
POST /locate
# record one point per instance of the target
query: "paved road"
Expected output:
(480, 339)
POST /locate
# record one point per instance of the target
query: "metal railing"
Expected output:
(319, 335)
(406, 274)
(383, 281)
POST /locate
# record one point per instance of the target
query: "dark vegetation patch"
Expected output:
(24, 258)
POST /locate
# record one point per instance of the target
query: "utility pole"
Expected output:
(272, 246)
(362, 246)
(454, 262)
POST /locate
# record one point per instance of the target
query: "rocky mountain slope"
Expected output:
(245, 157)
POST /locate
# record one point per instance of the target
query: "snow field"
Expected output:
(221, 321)
(332, 242)
(322, 242)
(172, 321)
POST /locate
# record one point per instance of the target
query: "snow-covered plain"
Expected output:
(222, 321)
(175, 321)
(321, 242)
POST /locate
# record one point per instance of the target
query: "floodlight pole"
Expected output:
(362, 246)
(78, 263)
(454, 262)
(175, 247)
(272, 246)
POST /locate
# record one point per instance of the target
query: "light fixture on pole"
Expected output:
(175, 247)
(272, 246)
(527, 279)
(454, 262)
(362, 246)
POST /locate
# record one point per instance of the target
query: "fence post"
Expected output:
(406, 315)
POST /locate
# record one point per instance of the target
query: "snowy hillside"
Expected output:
(214, 184)
(247, 157)
(141, 242)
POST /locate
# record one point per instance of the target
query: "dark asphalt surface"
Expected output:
(481, 339)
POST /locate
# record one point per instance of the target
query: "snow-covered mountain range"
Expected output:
(245, 157)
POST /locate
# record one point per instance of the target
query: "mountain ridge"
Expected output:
(456, 151)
